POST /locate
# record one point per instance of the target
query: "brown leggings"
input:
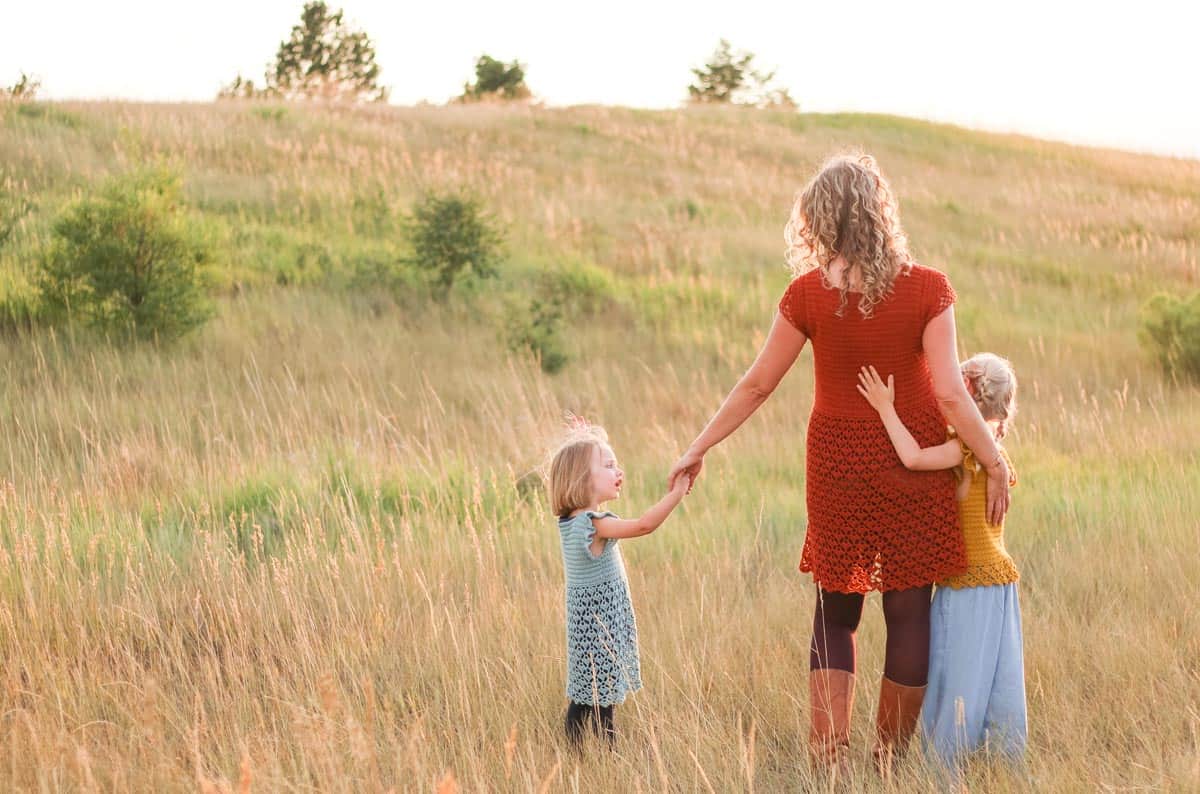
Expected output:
(906, 613)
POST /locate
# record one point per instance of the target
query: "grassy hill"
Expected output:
(292, 547)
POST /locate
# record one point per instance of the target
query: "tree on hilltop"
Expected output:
(496, 80)
(324, 58)
(729, 77)
(24, 90)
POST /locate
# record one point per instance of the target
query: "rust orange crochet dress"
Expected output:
(873, 524)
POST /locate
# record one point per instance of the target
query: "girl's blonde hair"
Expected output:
(848, 208)
(571, 467)
(994, 386)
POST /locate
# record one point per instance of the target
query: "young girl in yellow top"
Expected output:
(976, 692)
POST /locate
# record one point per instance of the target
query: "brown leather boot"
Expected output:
(896, 721)
(831, 697)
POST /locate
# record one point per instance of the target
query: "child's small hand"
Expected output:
(682, 483)
(879, 394)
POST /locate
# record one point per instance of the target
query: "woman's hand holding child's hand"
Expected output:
(682, 484)
(689, 465)
(879, 394)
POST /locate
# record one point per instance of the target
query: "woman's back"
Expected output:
(873, 524)
(890, 339)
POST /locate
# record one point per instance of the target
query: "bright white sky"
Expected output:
(1118, 74)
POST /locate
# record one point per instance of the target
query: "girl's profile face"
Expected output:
(607, 476)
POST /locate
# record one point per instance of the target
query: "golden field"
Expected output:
(290, 552)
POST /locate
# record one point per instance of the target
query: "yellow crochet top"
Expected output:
(988, 562)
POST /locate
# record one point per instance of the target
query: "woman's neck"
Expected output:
(841, 273)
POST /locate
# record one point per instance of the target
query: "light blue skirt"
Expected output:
(976, 694)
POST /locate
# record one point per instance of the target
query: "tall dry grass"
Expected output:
(293, 554)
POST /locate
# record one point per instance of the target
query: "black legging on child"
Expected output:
(906, 613)
(602, 721)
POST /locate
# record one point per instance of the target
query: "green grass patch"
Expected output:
(45, 113)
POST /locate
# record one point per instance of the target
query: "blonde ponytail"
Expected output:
(994, 387)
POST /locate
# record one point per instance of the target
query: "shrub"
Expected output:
(450, 236)
(1171, 332)
(496, 80)
(378, 274)
(579, 287)
(128, 259)
(538, 331)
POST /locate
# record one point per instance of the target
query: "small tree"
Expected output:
(323, 58)
(496, 80)
(1170, 331)
(127, 260)
(24, 90)
(451, 235)
(730, 77)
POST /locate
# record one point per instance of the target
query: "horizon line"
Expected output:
(1133, 149)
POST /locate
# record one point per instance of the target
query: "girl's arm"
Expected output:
(652, 519)
(778, 353)
(882, 397)
(940, 344)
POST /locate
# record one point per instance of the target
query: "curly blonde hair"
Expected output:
(994, 387)
(848, 209)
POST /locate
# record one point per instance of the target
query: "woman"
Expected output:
(872, 524)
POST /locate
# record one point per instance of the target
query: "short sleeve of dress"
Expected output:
(939, 295)
(792, 307)
(587, 530)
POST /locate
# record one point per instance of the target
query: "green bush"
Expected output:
(578, 288)
(128, 260)
(1171, 332)
(496, 80)
(451, 236)
(538, 331)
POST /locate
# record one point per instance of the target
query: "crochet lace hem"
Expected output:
(999, 572)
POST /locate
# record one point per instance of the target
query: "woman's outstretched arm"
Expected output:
(778, 353)
(940, 341)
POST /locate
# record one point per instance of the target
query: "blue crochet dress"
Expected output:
(602, 648)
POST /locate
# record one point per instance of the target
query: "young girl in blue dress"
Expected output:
(602, 648)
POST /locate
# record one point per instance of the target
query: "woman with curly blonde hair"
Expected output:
(872, 524)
